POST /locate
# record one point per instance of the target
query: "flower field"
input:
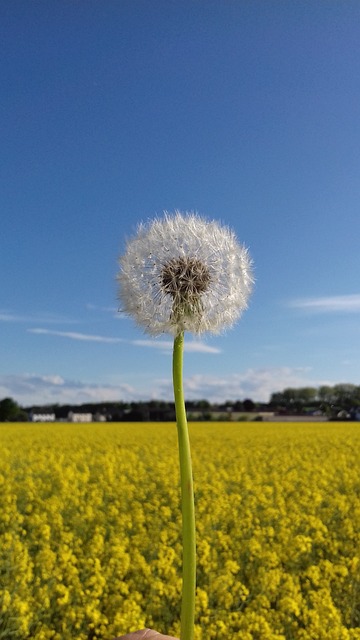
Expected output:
(90, 530)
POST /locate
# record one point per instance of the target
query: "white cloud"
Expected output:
(56, 380)
(29, 389)
(258, 384)
(74, 335)
(200, 347)
(329, 304)
(5, 316)
(191, 346)
(8, 316)
(113, 310)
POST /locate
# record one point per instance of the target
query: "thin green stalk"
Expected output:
(187, 497)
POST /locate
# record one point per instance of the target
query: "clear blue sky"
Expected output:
(111, 112)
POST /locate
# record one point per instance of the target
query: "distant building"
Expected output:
(79, 417)
(99, 417)
(42, 417)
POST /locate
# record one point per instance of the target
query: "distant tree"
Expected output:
(294, 400)
(326, 394)
(307, 395)
(346, 395)
(139, 412)
(202, 404)
(10, 411)
(277, 400)
(248, 405)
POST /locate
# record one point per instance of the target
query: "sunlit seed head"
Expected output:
(184, 278)
(184, 273)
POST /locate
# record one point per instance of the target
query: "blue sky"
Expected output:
(112, 112)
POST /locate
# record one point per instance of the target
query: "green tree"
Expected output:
(295, 400)
(248, 404)
(326, 393)
(346, 395)
(10, 410)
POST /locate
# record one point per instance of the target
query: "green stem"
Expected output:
(187, 497)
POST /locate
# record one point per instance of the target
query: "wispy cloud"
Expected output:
(95, 307)
(12, 317)
(8, 316)
(115, 311)
(74, 335)
(329, 304)
(191, 346)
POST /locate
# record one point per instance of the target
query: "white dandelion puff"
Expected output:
(184, 273)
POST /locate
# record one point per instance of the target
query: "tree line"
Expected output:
(152, 410)
(328, 400)
(344, 397)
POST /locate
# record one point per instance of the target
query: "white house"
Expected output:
(42, 417)
(99, 417)
(79, 417)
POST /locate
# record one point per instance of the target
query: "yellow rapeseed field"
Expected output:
(90, 541)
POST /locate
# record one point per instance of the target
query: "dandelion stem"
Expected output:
(187, 497)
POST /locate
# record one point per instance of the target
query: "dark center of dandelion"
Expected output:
(185, 279)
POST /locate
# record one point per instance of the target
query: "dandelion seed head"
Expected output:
(184, 277)
(184, 273)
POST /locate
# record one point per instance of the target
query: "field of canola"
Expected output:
(89, 531)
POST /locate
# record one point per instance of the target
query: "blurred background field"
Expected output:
(90, 541)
